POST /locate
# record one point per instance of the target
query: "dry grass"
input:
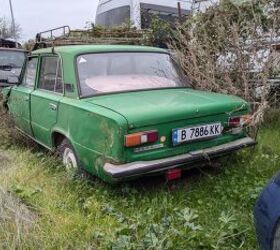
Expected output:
(229, 49)
(16, 218)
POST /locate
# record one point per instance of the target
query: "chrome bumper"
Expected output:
(132, 169)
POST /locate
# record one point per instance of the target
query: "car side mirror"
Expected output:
(13, 80)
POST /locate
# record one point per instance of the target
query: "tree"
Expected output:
(7, 31)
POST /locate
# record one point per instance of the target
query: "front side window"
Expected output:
(11, 64)
(120, 72)
(15, 59)
(50, 75)
(29, 77)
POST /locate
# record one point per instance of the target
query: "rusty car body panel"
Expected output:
(97, 125)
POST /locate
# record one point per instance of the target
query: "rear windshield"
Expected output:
(12, 58)
(120, 72)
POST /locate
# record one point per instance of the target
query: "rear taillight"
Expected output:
(137, 139)
(234, 122)
(239, 121)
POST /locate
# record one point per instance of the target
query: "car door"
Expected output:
(19, 99)
(45, 99)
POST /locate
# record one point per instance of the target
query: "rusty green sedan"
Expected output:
(120, 112)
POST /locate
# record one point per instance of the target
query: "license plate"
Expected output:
(206, 131)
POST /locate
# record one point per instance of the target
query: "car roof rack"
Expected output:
(63, 35)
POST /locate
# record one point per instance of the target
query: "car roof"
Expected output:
(13, 49)
(87, 49)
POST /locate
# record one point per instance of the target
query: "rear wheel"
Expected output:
(69, 157)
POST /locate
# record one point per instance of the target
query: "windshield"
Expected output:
(118, 72)
(12, 58)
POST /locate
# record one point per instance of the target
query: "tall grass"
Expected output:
(42, 207)
(205, 210)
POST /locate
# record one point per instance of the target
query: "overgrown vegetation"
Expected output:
(42, 207)
(231, 48)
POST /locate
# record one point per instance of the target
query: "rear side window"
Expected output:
(114, 17)
(168, 14)
(29, 77)
(51, 75)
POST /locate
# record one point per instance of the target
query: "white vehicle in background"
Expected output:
(267, 55)
(112, 13)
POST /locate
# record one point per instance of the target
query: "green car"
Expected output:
(120, 112)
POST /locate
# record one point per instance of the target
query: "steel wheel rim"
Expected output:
(69, 160)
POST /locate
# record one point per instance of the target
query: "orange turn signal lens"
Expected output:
(133, 140)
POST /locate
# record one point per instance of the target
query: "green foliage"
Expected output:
(214, 28)
(161, 32)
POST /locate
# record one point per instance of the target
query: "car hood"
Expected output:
(144, 108)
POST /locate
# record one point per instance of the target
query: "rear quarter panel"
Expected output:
(95, 133)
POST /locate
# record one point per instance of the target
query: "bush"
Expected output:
(229, 49)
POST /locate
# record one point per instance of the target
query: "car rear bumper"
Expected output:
(129, 170)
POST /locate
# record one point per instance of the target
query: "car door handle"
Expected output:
(52, 106)
(26, 99)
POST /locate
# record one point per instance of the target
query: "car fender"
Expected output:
(59, 131)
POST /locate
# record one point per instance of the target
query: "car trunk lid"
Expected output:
(146, 108)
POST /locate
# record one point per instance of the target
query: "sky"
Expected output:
(39, 15)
